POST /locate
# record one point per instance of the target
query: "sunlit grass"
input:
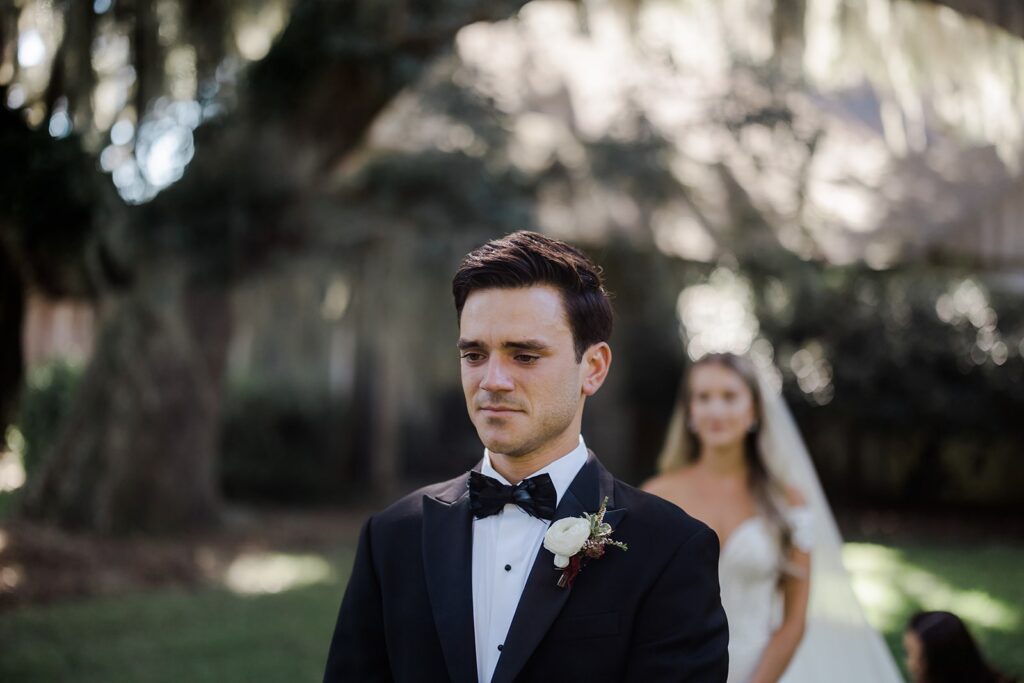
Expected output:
(980, 583)
(179, 635)
(260, 573)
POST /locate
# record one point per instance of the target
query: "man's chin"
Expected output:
(504, 446)
(507, 450)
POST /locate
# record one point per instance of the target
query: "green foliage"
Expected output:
(8, 503)
(45, 403)
(284, 442)
(894, 361)
(924, 356)
(445, 190)
(50, 192)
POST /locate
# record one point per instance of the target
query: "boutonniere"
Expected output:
(574, 540)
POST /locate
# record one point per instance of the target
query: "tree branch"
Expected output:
(1006, 14)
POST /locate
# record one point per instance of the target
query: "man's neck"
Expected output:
(517, 468)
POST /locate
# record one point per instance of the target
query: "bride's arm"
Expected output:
(796, 592)
(786, 638)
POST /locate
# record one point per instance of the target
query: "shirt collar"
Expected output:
(561, 471)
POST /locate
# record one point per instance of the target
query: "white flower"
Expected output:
(566, 537)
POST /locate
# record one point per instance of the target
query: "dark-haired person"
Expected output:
(939, 649)
(485, 577)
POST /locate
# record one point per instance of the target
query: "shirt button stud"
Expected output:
(508, 567)
(500, 648)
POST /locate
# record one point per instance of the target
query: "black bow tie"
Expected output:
(535, 496)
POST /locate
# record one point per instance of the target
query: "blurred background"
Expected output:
(227, 235)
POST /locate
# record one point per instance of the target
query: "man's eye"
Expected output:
(526, 358)
(472, 356)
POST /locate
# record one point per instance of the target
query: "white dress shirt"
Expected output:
(504, 548)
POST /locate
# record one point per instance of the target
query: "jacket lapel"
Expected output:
(542, 600)
(448, 566)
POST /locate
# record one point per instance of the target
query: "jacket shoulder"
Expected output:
(410, 506)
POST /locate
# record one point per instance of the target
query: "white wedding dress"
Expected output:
(839, 645)
(748, 570)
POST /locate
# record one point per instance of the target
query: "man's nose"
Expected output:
(496, 376)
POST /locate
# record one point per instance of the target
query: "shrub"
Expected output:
(283, 442)
(44, 403)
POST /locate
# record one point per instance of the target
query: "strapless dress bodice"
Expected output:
(750, 565)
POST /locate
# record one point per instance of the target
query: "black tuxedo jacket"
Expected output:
(652, 613)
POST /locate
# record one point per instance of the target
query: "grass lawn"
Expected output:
(176, 635)
(224, 636)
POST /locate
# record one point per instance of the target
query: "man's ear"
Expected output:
(595, 365)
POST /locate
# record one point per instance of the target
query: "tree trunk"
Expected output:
(12, 315)
(136, 453)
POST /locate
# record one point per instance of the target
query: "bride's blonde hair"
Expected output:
(682, 446)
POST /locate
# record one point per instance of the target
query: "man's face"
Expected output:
(524, 389)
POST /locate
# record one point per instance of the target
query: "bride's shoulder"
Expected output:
(800, 520)
(668, 484)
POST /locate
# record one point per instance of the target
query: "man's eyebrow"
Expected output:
(524, 345)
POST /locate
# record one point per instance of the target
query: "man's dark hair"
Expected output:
(524, 259)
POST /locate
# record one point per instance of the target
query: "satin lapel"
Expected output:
(542, 600)
(606, 487)
(448, 566)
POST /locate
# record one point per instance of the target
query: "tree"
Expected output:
(137, 452)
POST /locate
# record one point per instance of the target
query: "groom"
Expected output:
(453, 582)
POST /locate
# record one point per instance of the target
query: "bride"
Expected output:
(734, 459)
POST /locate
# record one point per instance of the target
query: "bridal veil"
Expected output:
(839, 645)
